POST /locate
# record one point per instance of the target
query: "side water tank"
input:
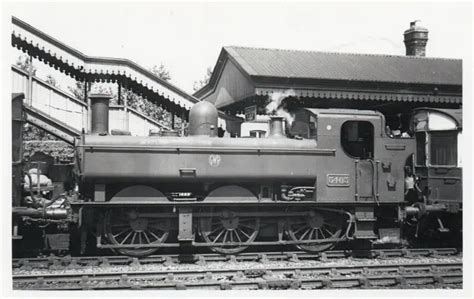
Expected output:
(203, 119)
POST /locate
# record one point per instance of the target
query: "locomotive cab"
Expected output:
(437, 165)
(437, 160)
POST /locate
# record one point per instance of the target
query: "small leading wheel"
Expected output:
(225, 226)
(318, 225)
(128, 227)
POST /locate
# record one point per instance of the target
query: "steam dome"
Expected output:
(203, 119)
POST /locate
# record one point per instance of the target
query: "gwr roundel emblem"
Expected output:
(214, 160)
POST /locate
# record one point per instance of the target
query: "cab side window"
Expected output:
(357, 139)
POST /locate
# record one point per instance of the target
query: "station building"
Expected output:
(246, 80)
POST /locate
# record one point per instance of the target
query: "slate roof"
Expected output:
(347, 66)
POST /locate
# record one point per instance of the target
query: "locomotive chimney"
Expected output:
(99, 113)
(415, 39)
(276, 127)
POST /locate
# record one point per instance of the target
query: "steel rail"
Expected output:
(319, 276)
(58, 262)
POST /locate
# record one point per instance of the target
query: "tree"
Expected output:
(161, 72)
(24, 63)
(147, 107)
(134, 101)
(51, 80)
(204, 81)
(78, 90)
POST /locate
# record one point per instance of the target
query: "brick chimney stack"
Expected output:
(415, 40)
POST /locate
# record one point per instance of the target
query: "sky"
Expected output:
(188, 37)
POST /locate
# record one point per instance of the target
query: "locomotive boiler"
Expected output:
(340, 177)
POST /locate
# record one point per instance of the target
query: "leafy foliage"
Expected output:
(61, 151)
(31, 132)
(134, 101)
(38, 140)
(78, 90)
(51, 80)
(161, 72)
(24, 63)
(204, 81)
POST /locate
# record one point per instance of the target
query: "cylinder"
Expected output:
(99, 114)
(276, 127)
(203, 119)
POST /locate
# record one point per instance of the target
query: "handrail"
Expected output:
(83, 104)
(53, 126)
(121, 107)
(42, 82)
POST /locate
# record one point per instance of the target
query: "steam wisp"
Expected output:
(276, 107)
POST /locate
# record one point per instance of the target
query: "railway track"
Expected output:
(54, 262)
(427, 268)
(312, 277)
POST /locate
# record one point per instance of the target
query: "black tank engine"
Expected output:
(340, 177)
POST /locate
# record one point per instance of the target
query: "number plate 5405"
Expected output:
(338, 180)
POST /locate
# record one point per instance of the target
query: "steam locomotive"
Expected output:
(341, 177)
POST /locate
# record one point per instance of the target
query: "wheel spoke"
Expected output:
(121, 232)
(225, 236)
(305, 233)
(133, 238)
(322, 234)
(218, 236)
(319, 225)
(123, 241)
(244, 233)
(121, 229)
(300, 229)
(228, 230)
(237, 235)
(154, 235)
(328, 231)
(146, 237)
(215, 230)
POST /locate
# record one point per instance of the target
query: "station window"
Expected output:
(357, 139)
(443, 148)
